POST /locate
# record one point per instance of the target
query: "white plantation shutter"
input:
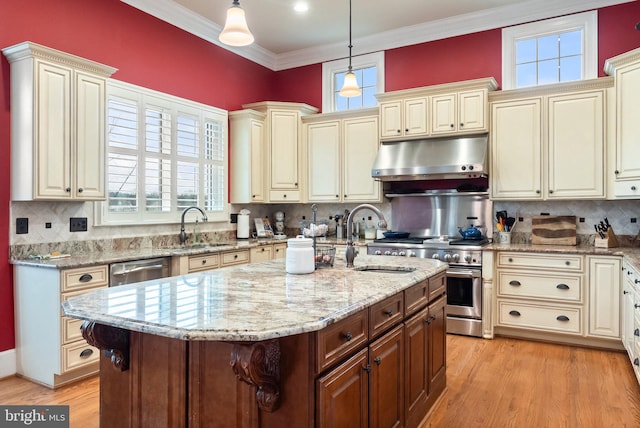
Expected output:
(164, 154)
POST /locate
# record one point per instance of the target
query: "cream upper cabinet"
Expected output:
(284, 155)
(516, 149)
(248, 157)
(341, 148)
(549, 144)
(438, 110)
(403, 118)
(58, 124)
(459, 112)
(626, 70)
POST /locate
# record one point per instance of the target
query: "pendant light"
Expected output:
(350, 87)
(235, 31)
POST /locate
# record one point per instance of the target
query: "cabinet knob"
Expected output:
(562, 287)
(68, 190)
(406, 130)
(635, 305)
(461, 125)
(284, 196)
(85, 277)
(514, 313)
(337, 196)
(388, 312)
(515, 283)
(366, 368)
(510, 260)
(562, 318)
(633, 188)
(637, 281)
(253, 196)
(377, 360)
(616, 172)
(262, 250)
(347, 336)
(398, 131)
(550, 190)
(80, 190)
(235, 256)
(538, 192)
(204, 261)
(567, 263)
(86, 353)
(451, 126)
(625, 292)
(636, 362)
(636, 332)
(345, 195)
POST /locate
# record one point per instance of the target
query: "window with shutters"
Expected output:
(163, 154)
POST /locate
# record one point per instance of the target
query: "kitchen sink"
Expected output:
(385, 269)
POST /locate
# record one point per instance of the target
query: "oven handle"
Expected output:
(464, 273)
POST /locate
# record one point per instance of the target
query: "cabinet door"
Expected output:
(258, 156)
(261, 253)
(516, 146)
(627, 123)
(628, 311)
(443, 114)
(415, 117)
(437, 343)
(323, 160)
(343, 395)
(279, 251)
(386, 387)
(89, 138)
(604, 297)
(248, 157)
(53, 160)
(391, 119)
(472, 111)
(576, 146)
(416, 368)
(284, 173)
(359, 148)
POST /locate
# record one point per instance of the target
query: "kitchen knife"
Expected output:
(598, 230)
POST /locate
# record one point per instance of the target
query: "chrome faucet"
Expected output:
(350, 253)
(183, 234)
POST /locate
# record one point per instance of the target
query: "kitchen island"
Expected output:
(252, 346)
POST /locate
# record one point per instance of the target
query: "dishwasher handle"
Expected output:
(137, 269)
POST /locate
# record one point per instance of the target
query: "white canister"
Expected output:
(300, 257)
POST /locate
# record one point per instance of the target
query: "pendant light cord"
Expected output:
(350, 44)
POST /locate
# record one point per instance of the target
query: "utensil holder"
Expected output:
(609, 241)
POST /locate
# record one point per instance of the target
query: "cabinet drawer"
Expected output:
(544, 285)
(78, 354)
(437, 286)
(71, 330)
(565, 262)
(235, 258)
(77, 279)
(626, 189)
(550, 318)
(416, 297)
(284, 196)
(341, 338)
(261, 254)
(204, 262)
(385, 314)
(279, 251)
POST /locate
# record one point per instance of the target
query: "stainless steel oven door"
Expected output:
(464, 292)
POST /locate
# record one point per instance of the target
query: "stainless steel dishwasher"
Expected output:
(138, 270)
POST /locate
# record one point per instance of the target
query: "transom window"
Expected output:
(551, 51)
(163, 154)
(369, 71)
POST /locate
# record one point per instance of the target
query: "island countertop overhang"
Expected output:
(253, 302)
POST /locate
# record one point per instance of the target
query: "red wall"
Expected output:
(151, 53)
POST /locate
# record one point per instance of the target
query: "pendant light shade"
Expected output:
(350, 87)
(235, 31)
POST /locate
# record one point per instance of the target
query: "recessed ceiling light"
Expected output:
(301, 6)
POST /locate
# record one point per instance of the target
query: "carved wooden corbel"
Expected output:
(258, 364)
(113, 341)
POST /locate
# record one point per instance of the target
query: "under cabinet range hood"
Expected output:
(432, 159)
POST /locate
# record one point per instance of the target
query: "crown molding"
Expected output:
(499, 17)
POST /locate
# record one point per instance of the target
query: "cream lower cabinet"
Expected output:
(50, 349)
(567, 298)
(267, 252)
(631, 314)
(549, 144)
(181, 265)
(626, 70)
(341, 149)
(57, 126)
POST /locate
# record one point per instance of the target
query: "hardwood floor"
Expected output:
(491, 383)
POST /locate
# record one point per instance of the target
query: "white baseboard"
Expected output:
(7, 363)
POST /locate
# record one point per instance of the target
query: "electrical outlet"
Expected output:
(634, 220)
(234, 218)
(581, 220)
(22, 225)
(520, 219)
(47, 225)
(78, 224)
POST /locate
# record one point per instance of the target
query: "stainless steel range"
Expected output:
(432, 223)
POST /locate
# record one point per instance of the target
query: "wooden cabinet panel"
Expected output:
(261, 253)
(437, 286)
(84, 278)
(564, 262)
(385, 314)
(604, 296)
(416, 297)
(204, 262)
(437, 344)
(343, 398)
(339, 339)
(279, 251)
(559, 287)
(386, 381)
(78, 354)
(231, 258)
(416, 377)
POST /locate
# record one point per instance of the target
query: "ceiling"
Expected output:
(286, 38)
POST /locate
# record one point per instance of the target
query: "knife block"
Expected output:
(609, 240)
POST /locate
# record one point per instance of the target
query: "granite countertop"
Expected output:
(253, 302)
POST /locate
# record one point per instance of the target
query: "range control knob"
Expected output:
(394, 253)
(412, 254)
(467, 258)
(447, 257)
(378, 253)
(455, 257)
(402, 253)
(436, 257)
(387, 253)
